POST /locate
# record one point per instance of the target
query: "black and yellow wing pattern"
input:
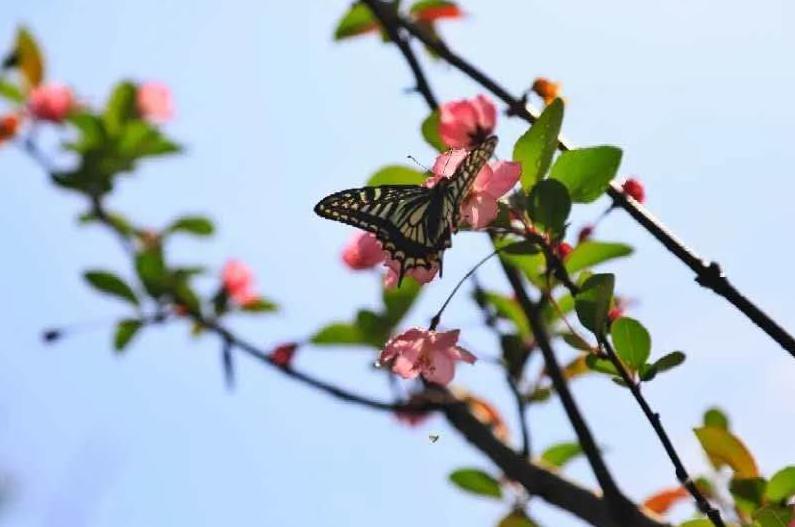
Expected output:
(413, 223)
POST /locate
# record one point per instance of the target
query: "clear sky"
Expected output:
(274, 115)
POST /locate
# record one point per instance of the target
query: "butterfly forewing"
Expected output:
(413, 223)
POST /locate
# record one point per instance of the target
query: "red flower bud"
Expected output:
(615, 313)
(585, 233)
(9, 124)
(282, 355)
(634, 188)
(563, 249)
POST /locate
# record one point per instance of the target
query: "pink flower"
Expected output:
(154, 102)
(51, 102)
(428, 353)
(238, 282)
(420, 274)
(492, 182)
(466, 122)
(363, 251)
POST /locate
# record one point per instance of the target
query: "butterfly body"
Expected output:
(414, 223)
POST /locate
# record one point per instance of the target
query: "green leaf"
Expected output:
(185, 295)
(111, 284)
(91, 130)
(517, 518)
(430, 131)
(518, 248)
(601, 365)
(536, 147)
(125, 331)
(715, 417)
(514, 353)
(590, 253)
(139, 139)
(587, 172)
(647, 372)
(398, 300)
(340, 333)
(509, 309)
(701, 522)
(576, 342)
(782, 485)
(549, 205)
(374, 327)
(396, 175)
(632, 341)
(152, 271)
(669, 361)
(725, 449)
(198, 225)
(748, 493)
(477, 482)
(773, 516)
(10, 92)
(356, 21)
(121, 107)
(561, 453)
(593, 302)
(260, 305)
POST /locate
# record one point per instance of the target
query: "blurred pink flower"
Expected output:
(428, 353)
(238, 282)
(362, 251)
(493, 181)
(154, 103)
(283, 354)
(467, 122)
(51, 102)
(420, 274)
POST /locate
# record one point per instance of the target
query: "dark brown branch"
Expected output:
(621, 507)
(654, 419)
(708, 274)
(539, 481)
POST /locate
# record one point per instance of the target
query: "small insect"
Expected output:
(433, 437)
(413, 223)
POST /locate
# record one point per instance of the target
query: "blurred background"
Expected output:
(274, 115)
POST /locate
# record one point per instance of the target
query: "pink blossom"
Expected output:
(428, 353)
(466, 122)
(154, 102)
(51, 102)
(420, 274)
(238, 282)
(363, 251)
(493, 181)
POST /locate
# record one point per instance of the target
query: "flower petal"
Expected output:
(486, 112)
(502, 178)
(479, 210)
(441, 368)
(446, 163)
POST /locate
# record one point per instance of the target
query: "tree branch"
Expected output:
(708, 274)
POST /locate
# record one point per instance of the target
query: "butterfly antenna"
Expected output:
(418, 163)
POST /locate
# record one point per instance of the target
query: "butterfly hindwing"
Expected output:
(413, 223)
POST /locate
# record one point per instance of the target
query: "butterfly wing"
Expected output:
(460, 183)
(406, 219)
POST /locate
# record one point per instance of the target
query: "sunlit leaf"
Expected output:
(661, 502)
(593, 301)
(125, 331)
(111, 284)
(121, 107)
(339, 333)
(717, 418)
(430, 131)
(28, 58)
(773, 516)
(536, 147)
(601, 365)
(725, 449)
(590, 253)
(587, 172)
(561, 453)
(356, 21)
(396, 175)
(632, 341)
(10, 92)
(477, 482)
(782, 485)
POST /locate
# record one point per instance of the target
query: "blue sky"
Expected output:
(275, 115)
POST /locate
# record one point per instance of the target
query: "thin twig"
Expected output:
(708, 274)
(521, 410)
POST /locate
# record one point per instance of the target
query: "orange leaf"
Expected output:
(431, 14)
(486, 413)
(662, 501)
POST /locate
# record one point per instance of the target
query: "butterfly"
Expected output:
(414, 223)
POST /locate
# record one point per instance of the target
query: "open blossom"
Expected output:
(428, 353)
(238, 282)
(467, 122)
(493, 181)
(420, 274)
(51, 102)
(363, 251)
(154, 103)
